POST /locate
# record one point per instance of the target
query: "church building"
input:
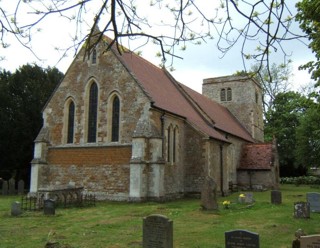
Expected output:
(126, 130)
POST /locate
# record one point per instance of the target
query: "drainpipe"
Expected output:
(221, 170)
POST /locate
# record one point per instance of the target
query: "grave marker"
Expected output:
(248, 198)
(314, 199)
(16, 209)
(209, 199)
(12, 185)
(5, 188)
(302, 210)
(241, 239)
(49, 207)
(276, 197)
(21, 187)
(157, 232)
(310, 241)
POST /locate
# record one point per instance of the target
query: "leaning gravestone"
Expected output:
(310, 241)
(157, 232)
(209, 199)
(49, 207)
(16, 209)
(241, 239)
(314, 199)
(301, 210)
(276, 197)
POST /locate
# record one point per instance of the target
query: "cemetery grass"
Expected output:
(119, 224)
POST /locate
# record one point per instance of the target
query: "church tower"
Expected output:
(242, 95)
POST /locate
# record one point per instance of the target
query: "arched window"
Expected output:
(70, 130)
(115, 119)
(222, 95)
(94, 56)
(175, 144)
(229, 94)
(92, 113)
(169, 144)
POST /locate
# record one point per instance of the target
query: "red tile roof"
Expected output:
(257, 157)
(165, 93)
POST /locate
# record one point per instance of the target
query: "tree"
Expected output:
(259, 27)
(23, 95)
(308, 138)
(308, 17)
(282, 122)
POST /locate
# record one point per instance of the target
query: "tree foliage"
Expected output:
(286, 121)
(259, 27)
(309, 19)
(23, 95)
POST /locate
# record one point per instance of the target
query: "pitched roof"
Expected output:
(257, 157)
(165, 93)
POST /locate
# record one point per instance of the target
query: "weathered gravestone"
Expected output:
(49, 207)
(5, 188)
(157, 232)
(16, 209)
(310, 241)
(241, 239)
(209, 199)
(314, 199)
(12, 186)
(21, 187)
(301, 210)
(276, 197)
(248, 198)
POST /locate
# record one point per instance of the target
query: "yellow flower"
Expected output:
(242, 195)
(226, 203)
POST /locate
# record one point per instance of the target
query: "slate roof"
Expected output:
(257, 157)
(167, 94)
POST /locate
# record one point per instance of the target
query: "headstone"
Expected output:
(12, 186)
(314, 199)
(157, 232)
(310, 241)
(209, 199)
(5, 188)
(241, 239)
(276, 197)
(49, 207)
(248, 198)
(16, 209)
(21, 187)
(302, 210)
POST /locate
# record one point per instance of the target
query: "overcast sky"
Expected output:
(199, 61)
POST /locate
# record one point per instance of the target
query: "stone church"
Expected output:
(126, 130)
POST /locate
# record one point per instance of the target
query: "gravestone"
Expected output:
(209, 199)
(157, 232)
(5, 188)
(49, 207)
(16, 209)
(301, 210)
(12, 185)
(21, 187)
(276, 197)
(314, 199)
(241, 239)
(248, 198)
(310, 241)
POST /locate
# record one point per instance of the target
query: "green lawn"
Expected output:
(115, 225)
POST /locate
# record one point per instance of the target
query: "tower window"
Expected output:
(94, 56)
(223, 95)
(229, 94)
